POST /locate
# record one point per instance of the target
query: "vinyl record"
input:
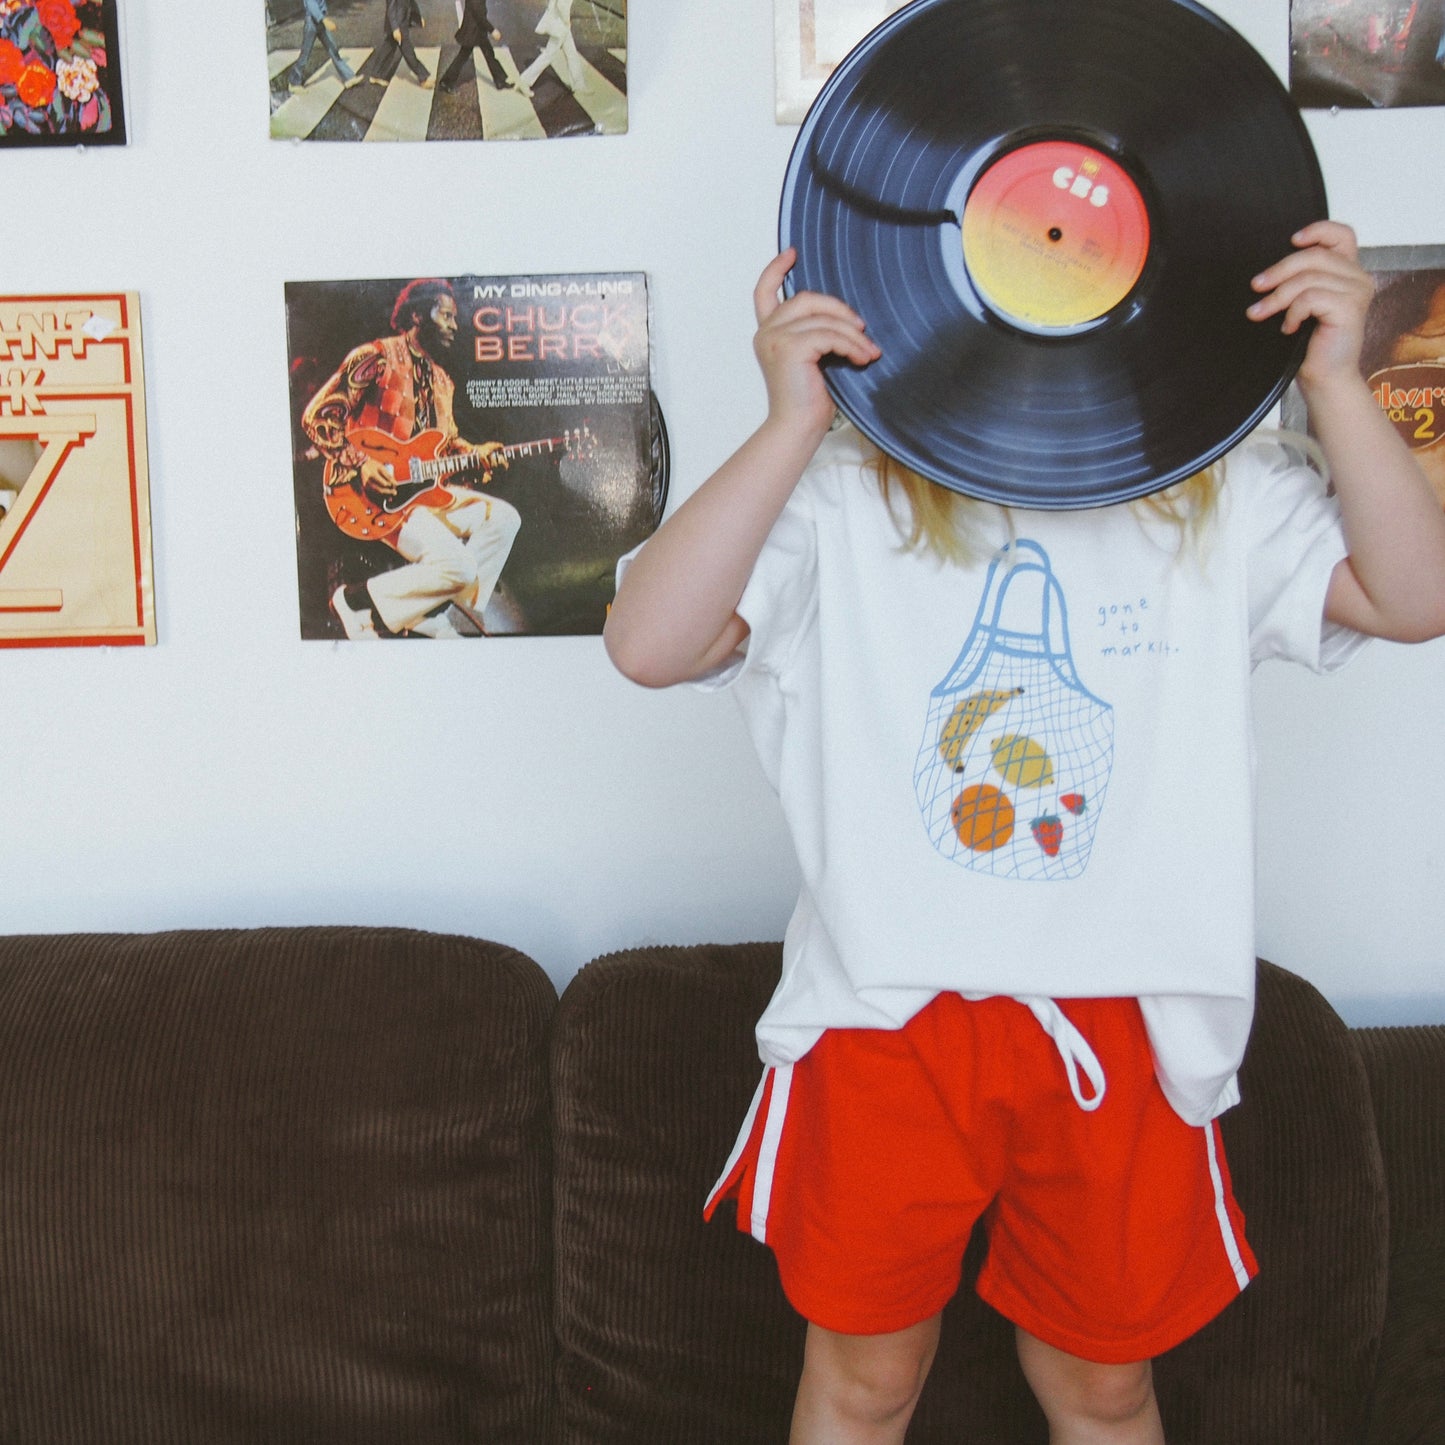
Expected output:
(1048, 212)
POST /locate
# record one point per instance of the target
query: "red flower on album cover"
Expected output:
(59, 77)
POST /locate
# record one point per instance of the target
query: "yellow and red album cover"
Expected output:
(75, 526)
(1403, 355)
(471, 454)
(1361, 53)
(426, 70)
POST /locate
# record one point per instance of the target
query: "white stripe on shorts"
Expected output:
(768, 1151)
(767, 1163)
(1221, 1212)
(744, 1134)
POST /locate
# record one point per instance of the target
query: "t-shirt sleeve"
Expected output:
(1294, 543)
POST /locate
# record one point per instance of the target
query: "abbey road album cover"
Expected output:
(75, 527)
(419, 70)
(1367, 53)
(810, 37)
(60, 79)
(1403, 356)
(472, 454)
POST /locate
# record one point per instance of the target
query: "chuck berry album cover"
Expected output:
(419, 70)
(1403, 356)
(75, 528)
(60, 73)
(472, 454)
(1360, 53)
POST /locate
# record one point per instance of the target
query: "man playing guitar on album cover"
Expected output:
(384, 425)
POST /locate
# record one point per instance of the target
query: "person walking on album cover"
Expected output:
(560, 51)
(454, 551)
(400, 16)
(474, 31)
(319, 26)
(966, 1030)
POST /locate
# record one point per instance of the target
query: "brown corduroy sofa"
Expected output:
(336, 1186)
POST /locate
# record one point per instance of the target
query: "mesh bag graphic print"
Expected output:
(1016, 752)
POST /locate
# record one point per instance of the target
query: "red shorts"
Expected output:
(1113, 1233)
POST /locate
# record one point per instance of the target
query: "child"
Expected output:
(1019, 978)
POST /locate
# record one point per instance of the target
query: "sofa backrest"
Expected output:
(273, 1185)
(672, 1330)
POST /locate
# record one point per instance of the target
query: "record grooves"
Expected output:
(1049, 215)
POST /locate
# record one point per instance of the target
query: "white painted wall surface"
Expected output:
(518, 789)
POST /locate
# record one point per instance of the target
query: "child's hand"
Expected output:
(1323, 279)
(793, 336)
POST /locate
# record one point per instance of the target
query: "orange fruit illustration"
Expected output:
(983, 818)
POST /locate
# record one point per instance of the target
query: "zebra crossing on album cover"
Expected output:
(543, 69)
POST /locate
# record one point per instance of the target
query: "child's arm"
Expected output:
(1392, 583)
(674, 617)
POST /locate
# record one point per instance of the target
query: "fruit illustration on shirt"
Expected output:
(1013, 767)
(1048, 833)
(1022, 761)
(967, 717)
(983, 818)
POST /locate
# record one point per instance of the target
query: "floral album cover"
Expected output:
(1361, 53)
(471, 454)
(1403, 356)
(420, 70)
(75, 529)
(60, 73)
(810, 37)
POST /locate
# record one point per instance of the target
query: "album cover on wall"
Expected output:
(472, 454)
(75, 531)
(810, 38)
(60, 80)
(419, 70)
(1367, 53)
(1403, 357)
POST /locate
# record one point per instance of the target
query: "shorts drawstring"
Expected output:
(1073, 1048)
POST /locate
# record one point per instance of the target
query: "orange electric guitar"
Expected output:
(419, 474)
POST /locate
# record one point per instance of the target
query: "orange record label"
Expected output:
(1055, 235)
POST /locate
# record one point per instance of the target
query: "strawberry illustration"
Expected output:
(1074, 802)
(1048, 833)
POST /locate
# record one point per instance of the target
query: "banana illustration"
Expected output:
(967, 717)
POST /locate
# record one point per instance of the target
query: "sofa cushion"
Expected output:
(674, 1330)
(273, 1185)
(669, 1329)
(1407, 1082)
(1291, 1361)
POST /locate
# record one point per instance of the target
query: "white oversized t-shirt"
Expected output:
(1033, 779)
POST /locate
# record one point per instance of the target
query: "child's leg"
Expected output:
(861, 1389)
(1091, 1404)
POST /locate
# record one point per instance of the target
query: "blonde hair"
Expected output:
(946, 524)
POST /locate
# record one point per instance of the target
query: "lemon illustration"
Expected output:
(1022, 761)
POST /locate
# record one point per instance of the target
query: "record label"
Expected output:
(1055, 235)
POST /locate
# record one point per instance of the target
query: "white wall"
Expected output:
(225, 777)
